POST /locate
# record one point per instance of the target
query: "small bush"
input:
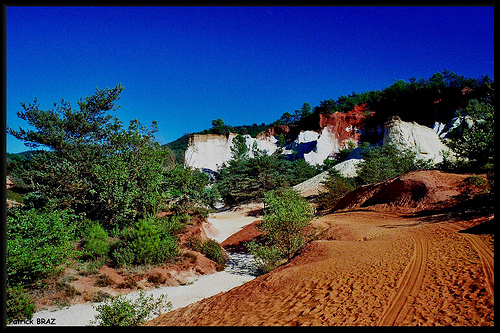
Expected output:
(68, 289)
(267, 258)
(120, 311)
(284, 227)
(213, 251)
(102, 281)
(150, 242)
(123, 256)
(195, 243)
(156, 278)
(336, 188)
(150, 246)
(19, 305)
(210, 248)
(476, 181)
(97, 241)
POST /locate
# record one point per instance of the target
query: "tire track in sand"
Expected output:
(484, 252)
(408, 285)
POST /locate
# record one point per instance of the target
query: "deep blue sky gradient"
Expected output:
(186, 66)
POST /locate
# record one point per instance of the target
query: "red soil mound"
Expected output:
(246, 234)
(418, 190)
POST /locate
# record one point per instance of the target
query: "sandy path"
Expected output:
(483, 250)
(221, 226)
(370, 268)
(408, 286)
(226, 223)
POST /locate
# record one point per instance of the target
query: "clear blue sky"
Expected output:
(185, 67)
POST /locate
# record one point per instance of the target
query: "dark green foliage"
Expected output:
(474, 139)
(37, 242)
(388, 161)
(189, 189)
(420, 100)
(129, 180)
(245, 179)
(96, 241)
(213, 251)
(336, 187)
(121, 311)
(284, 226)
(210, 248)
(149, 242)
(19, 306)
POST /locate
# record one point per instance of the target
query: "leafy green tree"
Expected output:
(247, 179)
(287, 216)
(388, 161)
(302, 113)
(219, 127)
(474, 138)
(93, 165)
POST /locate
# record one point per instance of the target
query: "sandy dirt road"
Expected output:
(369, 268)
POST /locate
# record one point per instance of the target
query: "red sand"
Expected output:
(373, 265)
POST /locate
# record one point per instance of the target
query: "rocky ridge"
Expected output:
(321, 137)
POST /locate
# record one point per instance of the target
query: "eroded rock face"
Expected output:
(423, 140)
(209, 152)
(322, 137)
(335, 132)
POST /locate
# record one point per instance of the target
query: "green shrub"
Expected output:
(267, 257)
(476, 181)
(195, 243)
(213, 251)
(284, 226)
(149, 242)
(336, 188)
(19, 305)
(37, 242)
(123, 256)
(210, 248)
(388, 161)
(150, 246)
(97, 241)
(13, 195)
(120, 311)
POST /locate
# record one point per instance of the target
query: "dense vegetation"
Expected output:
(248, 177)
(425, 101)
(98, 184)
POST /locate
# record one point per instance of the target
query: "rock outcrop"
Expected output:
(334, 132)
(208, 152)
(423, 140)
(319, 137)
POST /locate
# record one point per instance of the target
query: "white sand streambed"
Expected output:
(238, 270)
